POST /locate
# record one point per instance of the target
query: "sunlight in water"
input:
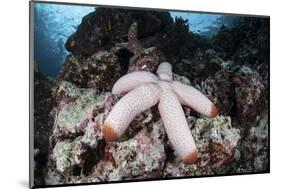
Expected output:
(54, 23)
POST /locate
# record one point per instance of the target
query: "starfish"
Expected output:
(143, 59)
(144, 90)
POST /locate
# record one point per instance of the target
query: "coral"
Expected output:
(72, 118)
(98, 71)
(69, 162)
(230, 69)
(42, 130)
(221, 90)
(67, 154)
(173, 40)
(77, 118)
(111, 27)
(246, 43)
(141, 156)
(250, 98)
(242, 94)
(255, 146)
(207, 65)
(216, 140)
(142, 59)
(170, 94)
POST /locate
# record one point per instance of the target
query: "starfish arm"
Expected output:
(176, 127)
(132, 80)
(194, 99)
(164, 71)
(133, 43)
(125, 110)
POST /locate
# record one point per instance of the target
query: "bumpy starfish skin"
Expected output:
(133, 80)
(146, 90)
(164, 71)
(175, 124)
(191, 97)
(125, 110)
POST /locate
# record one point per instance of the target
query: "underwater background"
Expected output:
(79, 53)
(54, 23)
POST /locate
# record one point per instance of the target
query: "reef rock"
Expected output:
(142, 156)
(67, 154)
(71, 118)
(77, 117)
(255, 146)
(220, 88)
(132, 56)
(202, 65)
(251, 98)
(42, 130)
(246, 43)
(105, 27)
(98, 71)
(172, 39)
(230, 69)
(216, 141)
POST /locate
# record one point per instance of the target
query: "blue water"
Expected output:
(54, 23)
(205, 24)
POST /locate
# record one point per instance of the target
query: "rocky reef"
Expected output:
(231, 69)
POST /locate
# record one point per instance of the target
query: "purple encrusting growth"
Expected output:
(145, 92)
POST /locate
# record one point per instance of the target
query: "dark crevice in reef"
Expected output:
(124, 56)
(92, 157)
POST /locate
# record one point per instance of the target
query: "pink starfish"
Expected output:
(146, 90)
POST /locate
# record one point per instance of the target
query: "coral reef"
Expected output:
(246, 44)
(230, 69)
(42, 130)
(145, 90)
(142, 153)
(216, 140)
(142, 59)
(105, 27)
(82, 71)
(207, 63)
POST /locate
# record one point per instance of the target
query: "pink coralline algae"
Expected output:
(79, 153)
(146, 90)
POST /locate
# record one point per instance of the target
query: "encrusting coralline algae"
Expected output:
(145, 155)
(236, 141)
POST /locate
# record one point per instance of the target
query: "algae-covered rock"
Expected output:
(220, 88)
(207, 65)
(98, 71)
(230, 69)
(105, 27)
(255, 146)
(216, 140)
(42, 129)
(250, 98)
(142, 156)
(67, 154)
(71, 119)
